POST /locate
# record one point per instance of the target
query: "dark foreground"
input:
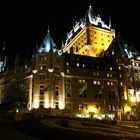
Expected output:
(32, 129)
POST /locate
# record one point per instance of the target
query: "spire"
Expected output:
(62, 46)
(110, 22)
(2, 57)
(4, 45)
(48, 29)
(47, 44)
(91, 14)
(90, 4)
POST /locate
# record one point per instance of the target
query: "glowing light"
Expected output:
(92, 109)
(127, 108)
(125, 95)
(46, 100)
(34, 71)
(60, 52)
(83, 115)
(36, 103)
(46, 104)
(61, 105)
(111, 116)
(50, 69)
(133, 99)
(17, 110)
(52, 103)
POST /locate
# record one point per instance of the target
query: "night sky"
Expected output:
(22, 24)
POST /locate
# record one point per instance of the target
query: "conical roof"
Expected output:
(47, 44)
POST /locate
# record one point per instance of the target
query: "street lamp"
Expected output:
(34, 71)
(50, 70)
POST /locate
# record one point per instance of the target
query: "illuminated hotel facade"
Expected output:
(93, 74)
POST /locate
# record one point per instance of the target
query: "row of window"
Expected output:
(83, 65)
(56, 104)
(98, 107)
(97, 94)
(97, 82)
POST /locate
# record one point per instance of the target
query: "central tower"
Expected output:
(90, 37)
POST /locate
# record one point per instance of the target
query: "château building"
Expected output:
(93, 74)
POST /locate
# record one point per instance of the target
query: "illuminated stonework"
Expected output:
(85, 81)
(91, 39)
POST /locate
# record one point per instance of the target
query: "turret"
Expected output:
(47, 44)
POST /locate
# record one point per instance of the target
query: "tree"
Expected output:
(16, 95)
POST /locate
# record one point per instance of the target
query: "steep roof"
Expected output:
(96, 20)
(47, 44)
(119, 47)
(91, 18)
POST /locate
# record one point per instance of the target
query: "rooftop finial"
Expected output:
(48, 29)
(109, 22)
(90, 4)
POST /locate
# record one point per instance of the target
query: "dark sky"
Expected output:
(24, 23)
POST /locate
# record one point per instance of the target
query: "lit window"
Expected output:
(41, 67)
(85, 107)
(120, 75)
(121, 83)
(80, 81)
(68, 71)
(110, 107)
(114, 108)
(83, 65)
(133, 63)
(77, 64)
(110, 68)
(99, 83)
(67, 63)
(84, 81)
(80, 107)
(107, 74)
(26, 66)
(111, 83)
(94, 82)
(108, 83)
(119, 67)
(110, 75)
